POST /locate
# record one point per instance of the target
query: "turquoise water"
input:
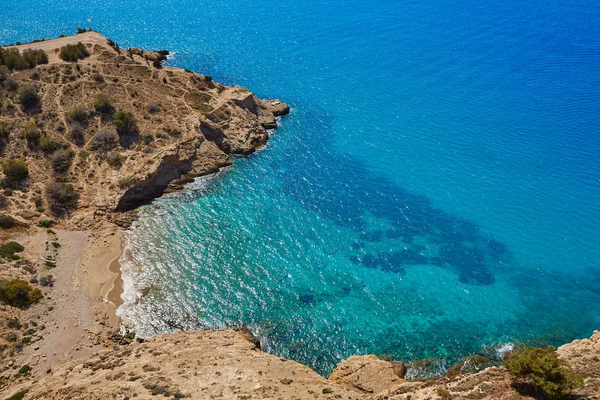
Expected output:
(434, 191)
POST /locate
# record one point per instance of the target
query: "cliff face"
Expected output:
(227, 364)
(178, 125)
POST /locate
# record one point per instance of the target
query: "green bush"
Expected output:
(73, 52)
(15, 170)
(34, 57)
(4, 71)
(62, 197)
(125, 123)
(549, 375)
(50, 144)
(79, 114)
(103, 104)
(115, 160)
(25, 369)
(13, 59)
(28, 96)
(19, 395)
(32, 135)
(7, 222)
(46, 223)
(9, 249)
(18, 293)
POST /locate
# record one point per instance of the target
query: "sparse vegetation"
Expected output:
(104, 141)
(15, 170)
(125, 123)
(62, 197)
(443, 393)
(549, 375)
(73, 52)
(18, 293)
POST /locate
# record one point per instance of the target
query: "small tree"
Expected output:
(73, 52)
(18, 293)
(15, 170)
(11, 83)
(78, 114)
(76, 133)
(125, 123)
(62, 197)
(28, 96)
(104, 141)
(103, 104)
(548, 374)
(32, 135)
(61, 160)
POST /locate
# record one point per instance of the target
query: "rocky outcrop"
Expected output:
(191, 365)
(368, 374)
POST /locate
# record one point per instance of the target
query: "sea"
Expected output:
(434, 192)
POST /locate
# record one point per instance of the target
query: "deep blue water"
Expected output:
(434, 191)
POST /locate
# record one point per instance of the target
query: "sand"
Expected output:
(79, 314)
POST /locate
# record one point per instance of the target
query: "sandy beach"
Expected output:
(80, 312)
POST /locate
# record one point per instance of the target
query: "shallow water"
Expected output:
(434, 191)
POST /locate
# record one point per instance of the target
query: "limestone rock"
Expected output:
(367, 374)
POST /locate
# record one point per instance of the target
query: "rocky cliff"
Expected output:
(229, 365)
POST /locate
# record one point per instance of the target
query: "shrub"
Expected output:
(61, 160)
(15, 170)
(35, 74)
(98, 78)
(7, 222)
(147, 138)
(104, 141)
(34, 57)
(4, 132)
(79, 114)
(77, 133)
(153, 108)
(25, 369)
(3, 202)
(4, 71)
(19, 395)
(28, 96)
(62, 197)
(9, 249)
(11, 84)
(46, 223)
(548, 374)
(115, 160)
(32, 136)
(50, 144)
(73, 52)
(125, 123)
(103, 104)
(18, 293)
